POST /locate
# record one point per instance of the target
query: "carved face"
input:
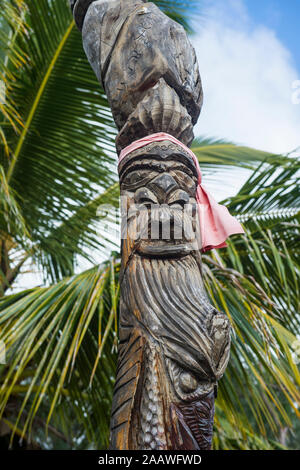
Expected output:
(160, 215)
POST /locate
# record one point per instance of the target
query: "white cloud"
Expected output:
(248, 78)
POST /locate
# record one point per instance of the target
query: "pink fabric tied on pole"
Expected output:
(216, 223)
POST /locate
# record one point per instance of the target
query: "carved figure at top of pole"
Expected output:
(146, 64)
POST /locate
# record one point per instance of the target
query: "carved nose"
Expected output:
(162, 185)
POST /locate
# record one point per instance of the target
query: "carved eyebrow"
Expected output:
(184, 168)
(144, 166)
(158, 166)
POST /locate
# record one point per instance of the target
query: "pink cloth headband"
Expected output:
(216, 223)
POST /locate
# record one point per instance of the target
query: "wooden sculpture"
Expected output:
(174, 346)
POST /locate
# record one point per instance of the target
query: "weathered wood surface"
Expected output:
(174, 346)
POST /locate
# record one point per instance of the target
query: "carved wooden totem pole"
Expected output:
(174, 346)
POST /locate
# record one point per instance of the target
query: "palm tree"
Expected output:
(57, 167)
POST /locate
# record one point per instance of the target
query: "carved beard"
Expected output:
(174, 346)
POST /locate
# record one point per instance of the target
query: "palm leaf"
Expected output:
(219, 153)
(58, 333)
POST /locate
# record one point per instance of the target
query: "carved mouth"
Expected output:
(164, 249)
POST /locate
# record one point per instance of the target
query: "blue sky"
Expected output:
(249, 58)
(283, 16)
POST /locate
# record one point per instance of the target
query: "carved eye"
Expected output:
(188, 382)
(137, 178)
(184, 181)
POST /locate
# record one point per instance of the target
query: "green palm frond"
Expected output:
(11, 219)
(219, 153)
(244, 284)
(272, 186)
(59, 251)
(54, 337)
(226, 165)
(276, 214)
(68, 331)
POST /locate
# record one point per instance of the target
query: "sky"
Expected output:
(283, 16)
(249, 59)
